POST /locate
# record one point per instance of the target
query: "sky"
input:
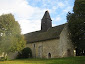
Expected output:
(29, 13)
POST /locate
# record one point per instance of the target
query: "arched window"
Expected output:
(34, 45)
(49, 55)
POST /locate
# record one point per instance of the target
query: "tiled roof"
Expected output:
(51, 33)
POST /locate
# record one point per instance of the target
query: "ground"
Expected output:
(69, 60)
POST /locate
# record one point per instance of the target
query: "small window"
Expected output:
(34, 45)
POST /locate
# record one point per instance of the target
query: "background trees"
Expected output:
(76, 24)
(10, 34)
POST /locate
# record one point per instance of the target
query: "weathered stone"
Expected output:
(61, 47)
(56, 43)
(46, 22)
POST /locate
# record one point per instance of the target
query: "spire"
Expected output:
(46, 22)
(46, 15)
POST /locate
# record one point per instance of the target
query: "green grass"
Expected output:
(69, 60)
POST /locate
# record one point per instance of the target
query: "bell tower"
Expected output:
(46, 22)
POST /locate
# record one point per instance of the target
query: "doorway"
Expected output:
(49, 55)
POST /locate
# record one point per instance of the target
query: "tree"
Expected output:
(76, 24)
(79, 7)
(10, 34)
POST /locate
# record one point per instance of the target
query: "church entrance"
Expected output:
(49, 55)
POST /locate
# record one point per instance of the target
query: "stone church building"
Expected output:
(50, 42)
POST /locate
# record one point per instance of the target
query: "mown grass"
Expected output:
(69, 60)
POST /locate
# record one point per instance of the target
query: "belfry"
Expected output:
(46, 22)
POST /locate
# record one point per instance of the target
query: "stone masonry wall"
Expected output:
(66, 48)
(42, 49)
(56, 47)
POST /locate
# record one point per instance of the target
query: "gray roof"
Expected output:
(51, 33)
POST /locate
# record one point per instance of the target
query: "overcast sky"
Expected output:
(30, 12)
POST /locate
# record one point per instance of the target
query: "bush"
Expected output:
(3, 58)
(25, 53)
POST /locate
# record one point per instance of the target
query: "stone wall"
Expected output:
(54, 48)
(66, 48)
(42, 49)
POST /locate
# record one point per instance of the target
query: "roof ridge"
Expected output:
(41, 36)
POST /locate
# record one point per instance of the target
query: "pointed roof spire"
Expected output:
(46, 15)
(46, 22)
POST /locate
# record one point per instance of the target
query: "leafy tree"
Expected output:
(76, 24)
(79, 7)
(10, 34)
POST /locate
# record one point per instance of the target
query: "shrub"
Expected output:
(25, 53)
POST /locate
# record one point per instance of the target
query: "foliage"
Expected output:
(76, 24)
(10, 34)
(79, 7)
(25, 53)
(69, 60)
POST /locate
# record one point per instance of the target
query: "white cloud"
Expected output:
(54, 8)
(23, 12)
(68, 8)
(60, 4)
(29, 16)
(29, 26)
(53, 25)
(56, 21)
(58, 18)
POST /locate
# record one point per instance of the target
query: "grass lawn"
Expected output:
(69, 60)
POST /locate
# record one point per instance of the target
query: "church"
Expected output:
(50, 42)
